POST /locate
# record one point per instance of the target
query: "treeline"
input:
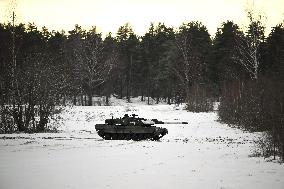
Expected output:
(252, 85)
(42, 69)
(243, 69)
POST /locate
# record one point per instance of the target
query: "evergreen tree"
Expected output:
(194, 43)
(222, 62)
(148, 55)
(110, 54)
(128, 44)
(155, 45)
(274, 58)
(74, 57)
(56, 48)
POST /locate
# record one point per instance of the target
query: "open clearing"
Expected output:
(203, 154)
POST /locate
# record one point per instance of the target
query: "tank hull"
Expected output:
(130, 132)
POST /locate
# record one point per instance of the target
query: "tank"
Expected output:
(132, 128)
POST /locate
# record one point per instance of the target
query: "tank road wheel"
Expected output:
(128, 136)
(123, 137)
(147, 136)
(141, 136)
(119, 136)
(135, 137)
(156, 137)
(107, 136)
(114, 136)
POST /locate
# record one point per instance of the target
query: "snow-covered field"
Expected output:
(203, 154)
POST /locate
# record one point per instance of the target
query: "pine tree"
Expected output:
(128, 44)
(194, 43)
(274, 58)
(222, 61)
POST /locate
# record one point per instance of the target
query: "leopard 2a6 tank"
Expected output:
(132, 128)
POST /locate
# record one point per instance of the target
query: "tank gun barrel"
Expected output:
(162, 122)
(178, 122)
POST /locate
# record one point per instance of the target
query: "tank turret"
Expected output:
(132, 128)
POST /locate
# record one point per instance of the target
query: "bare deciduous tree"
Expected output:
(90, 65)
(248, 46)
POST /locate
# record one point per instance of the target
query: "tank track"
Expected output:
(130, 136)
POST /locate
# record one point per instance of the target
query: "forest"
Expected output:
(242, 69)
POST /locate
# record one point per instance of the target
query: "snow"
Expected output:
(202, 154)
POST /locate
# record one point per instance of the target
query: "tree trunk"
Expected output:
(148, 91)
(157, 100)
(142, 96)
(130, 79)
(74, 100)
(82, 99)
(90, 96)
(107, 100)
(127, 89)
(121, 88)
(169, 100)
(64, 100)
(29, 114)
(43, 121)
(18, 117)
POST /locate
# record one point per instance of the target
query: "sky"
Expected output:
(108, 15)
